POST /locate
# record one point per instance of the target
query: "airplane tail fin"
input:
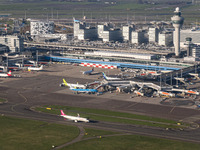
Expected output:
(64, 82)
(104, 75)
(9, 73)
(62, 113)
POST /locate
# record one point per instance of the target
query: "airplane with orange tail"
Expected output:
(162, 93)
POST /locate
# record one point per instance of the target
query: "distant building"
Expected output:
(41, 27)
(103, 27)
(126, 32)
(137, 37)
(165, 39)
(112, 35)
(81, 32)
(153, 35)
(196, 51)
(193, 51)
(189, 45)
(15, 43)
(77, 26)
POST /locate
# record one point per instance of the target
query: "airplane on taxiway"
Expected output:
(5, 75)
(73, 118)
(88, 72)
(35, 68)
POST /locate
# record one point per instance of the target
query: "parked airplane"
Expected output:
(192, 92)
(5, 75)
(75, 119)
(110, 78)
(166, 94)
(138, 93)
(88, 72)
(35, 68)
(195, 75)
(181, 80)
(79, 86)
(186, 91)
(88, 91)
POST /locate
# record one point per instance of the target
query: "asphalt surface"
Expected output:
(42, 88)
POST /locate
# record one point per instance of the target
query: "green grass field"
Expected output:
(111, 116)
(132, 142)
(22, 134)
(2, 100)
(89, 132)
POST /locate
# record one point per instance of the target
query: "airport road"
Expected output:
(42, 88)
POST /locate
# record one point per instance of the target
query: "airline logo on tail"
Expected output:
(9, 73)
(104, 75)
(62, 113)
(65, 83)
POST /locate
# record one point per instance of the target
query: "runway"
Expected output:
(42, 88)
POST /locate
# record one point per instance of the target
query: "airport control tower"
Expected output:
(177, 21)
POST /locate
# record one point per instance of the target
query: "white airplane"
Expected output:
(110, 78)
(35, 68)
(75, 119)
(166, 94)
(181, 80)
(195, 75)
(88, 72)
(138, 93)
(192, 92)
(80, 86)
(166, 71)
(5, 75)
(186, 91)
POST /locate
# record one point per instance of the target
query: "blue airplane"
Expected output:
(88, 91)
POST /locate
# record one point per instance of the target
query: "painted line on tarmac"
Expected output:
(172, 109)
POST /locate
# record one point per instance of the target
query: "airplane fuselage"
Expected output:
(35, 68)
(85, 90)
(3, 75)
(88, 72)
(75, 119)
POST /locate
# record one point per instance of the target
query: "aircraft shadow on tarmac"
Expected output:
(95, 73)
(90, 121)
(93, 121)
